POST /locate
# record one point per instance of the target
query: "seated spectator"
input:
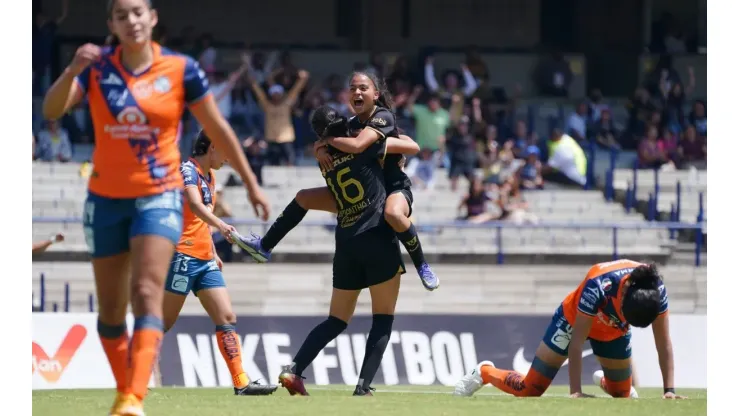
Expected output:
(477, 204)
(422, 169)
(668, 142)
(567, 162)
(54, 144)
(596, 106)
(512, 205)
(650, 154)
(530, 175)
(605, 132)
(577, 123)
(692, 150)
(522, 139)
(698, 118)
(463, 154)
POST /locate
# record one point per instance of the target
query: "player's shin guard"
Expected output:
(534, 384)
(231, 350)
(145, 346)
(410, 240)
(316, 340)
(377, 341)
(289, 219)
(618, 382)
(114, 339)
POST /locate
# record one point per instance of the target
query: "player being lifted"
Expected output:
(398, 186)
(612, 297)
(196, 267)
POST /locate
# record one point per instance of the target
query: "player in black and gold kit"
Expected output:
(398, 205)
(367, 252)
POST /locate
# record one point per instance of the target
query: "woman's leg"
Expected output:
(615, 358)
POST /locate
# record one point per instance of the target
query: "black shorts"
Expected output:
(406, 194)
(368, 259)
(460, 168)
(277, 153)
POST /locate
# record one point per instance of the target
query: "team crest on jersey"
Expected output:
(606, 284)
(142, 89)
(162, 85)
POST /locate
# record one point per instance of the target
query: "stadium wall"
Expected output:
(424, 350)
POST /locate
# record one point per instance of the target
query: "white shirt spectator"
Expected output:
(565, 157)
(54, 144)
(578, 123)
(224, 104)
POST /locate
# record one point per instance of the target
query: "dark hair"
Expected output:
(642, 301)
(202, 144)
(385, 99)
(112, 4)
(326, 122)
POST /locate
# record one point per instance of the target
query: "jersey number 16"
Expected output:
(343, 185)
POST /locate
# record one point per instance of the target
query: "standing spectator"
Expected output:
(698, 118)
(222, 86)
(577, 122)
(462, 150)
(567, 162)
(44, 47)
(596, 105)
(54, 144)
(530, 175)
(430, 121)
(476, 65)
(208, 53)
(256, 150)
(553, 76)
(451, 81)
(640, 108)
(692, 150)
(605, 132)
(278, 109)
(650, 153)
(261, 67)
(662, 77)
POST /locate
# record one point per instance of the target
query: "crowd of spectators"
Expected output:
(461, 122)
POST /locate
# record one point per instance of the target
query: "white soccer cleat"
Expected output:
(471, 382)
(599, 381)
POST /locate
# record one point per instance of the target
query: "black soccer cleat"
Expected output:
(254, 388)
(359, 391)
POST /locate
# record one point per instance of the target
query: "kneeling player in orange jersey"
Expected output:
(196, 267)
(612, 297)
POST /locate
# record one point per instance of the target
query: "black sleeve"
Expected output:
(375, 150)
(383, 122)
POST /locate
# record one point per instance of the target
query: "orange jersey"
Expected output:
(196, 238)
(600, 295)
(137, 121)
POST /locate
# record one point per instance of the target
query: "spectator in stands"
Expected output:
(530, 175)
(577, 122)
(668, 142)
(512, 206)
(278, 108)
(477, 67)
(44, 47)
(222, 86)
(285, 74)
(553, 76)
(208, 53)
(430, 120)
(54, 144)
(604, 131)
(488, 158)
(662, 77)
(451, 82)
(692, 150)
(640, 109)
(503, 168)
(255, 149)
(261, 67)
(596, 105)
(698, 118)
(476, 204)
(401, 71)
(567, 161)
(422, 169)
(339, 100)
(461, 146)
(650, 154)
(522, 139)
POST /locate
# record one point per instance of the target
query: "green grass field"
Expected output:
(388, 401)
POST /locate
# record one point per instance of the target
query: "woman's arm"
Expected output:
(66, 91)
(581, 328)
(664, 346)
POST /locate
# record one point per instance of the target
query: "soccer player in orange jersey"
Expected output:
(197, 268)
(612, 297)
(137, 92)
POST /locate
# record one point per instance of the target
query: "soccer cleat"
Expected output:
(359, 391)
(428, 278)
(254, 388)
(292, 382)
(471, 382)
(252, 244)
(128, 405)
(600, 381)
(120, 399)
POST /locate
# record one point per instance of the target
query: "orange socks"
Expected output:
(618, 382)
(145, 346)
(231, 350)
(114, 339)
(534, 384)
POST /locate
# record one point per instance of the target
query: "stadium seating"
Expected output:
(304, 289)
